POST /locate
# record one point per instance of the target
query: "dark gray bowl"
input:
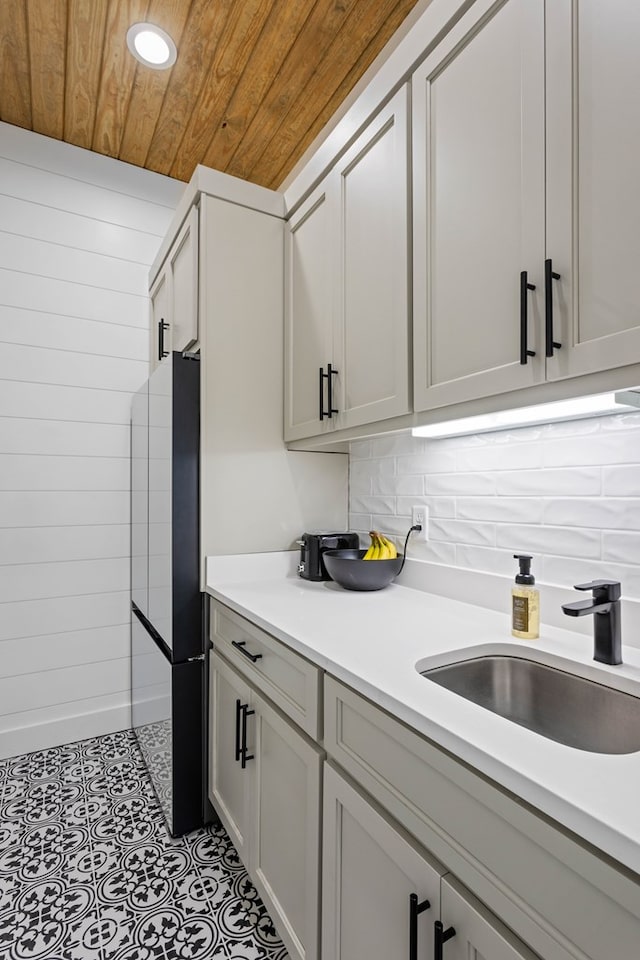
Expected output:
(348, 569)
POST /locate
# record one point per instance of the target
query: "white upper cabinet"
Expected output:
(347, 314)
(593, 201)
(526, 146)
(478, 149)
(309, 308)
(174, 295)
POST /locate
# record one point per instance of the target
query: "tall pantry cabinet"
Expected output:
(218, 288)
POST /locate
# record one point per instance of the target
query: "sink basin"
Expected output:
(558, 705)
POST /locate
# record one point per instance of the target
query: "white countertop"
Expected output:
(373, 642)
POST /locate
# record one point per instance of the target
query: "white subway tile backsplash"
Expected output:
(441, 506)
(578, 482)
(621, 481)
(502, 509)
(471, 484)
(381, 505)
(398, 445)
(599, 448)
(568, 493)
(485, 558)
(431, 461)
(500, 457)
(570, 541)
(434, 551)
(404, 505)
(606, 513)
(621, 546)
(400, 486)
(462, 531)
(389, 525)
(567, 571)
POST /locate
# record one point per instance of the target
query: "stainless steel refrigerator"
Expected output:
(168, 664)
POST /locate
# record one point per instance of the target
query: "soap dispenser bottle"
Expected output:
(525, 602)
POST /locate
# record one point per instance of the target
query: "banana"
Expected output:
(391, 547)
(369, 554)
(381, 548)
(384, 549)
(374, 550)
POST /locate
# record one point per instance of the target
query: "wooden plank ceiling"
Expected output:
(255, 80)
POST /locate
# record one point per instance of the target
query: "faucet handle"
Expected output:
(604, 591)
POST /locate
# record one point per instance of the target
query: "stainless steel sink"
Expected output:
(556, 704)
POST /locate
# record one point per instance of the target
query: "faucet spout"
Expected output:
(605, 605)
(582, 607)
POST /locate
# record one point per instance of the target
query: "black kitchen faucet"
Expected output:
(605, 605)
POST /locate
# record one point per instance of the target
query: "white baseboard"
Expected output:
(49, 732)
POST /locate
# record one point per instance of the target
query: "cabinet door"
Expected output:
(160, 333)
(286, 839)
(478, 122)
(229, 785)
(183, 268)
(310, 276)
(371, 349)
(369, 873)
(593, 201)
(479, 935)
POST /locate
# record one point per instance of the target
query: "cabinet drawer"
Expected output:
(553, 890)
(286, 678)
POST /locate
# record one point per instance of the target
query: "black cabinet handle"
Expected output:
(549, 276)
(440, 938)
(415, 909)
(525, 286)
(162, 326)
(241, 645)
(329, 375)
(238, 713)
(244, 756)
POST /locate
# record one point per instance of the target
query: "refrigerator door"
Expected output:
(168, 720)
(160, 610)
(140, 499)
(151, 714)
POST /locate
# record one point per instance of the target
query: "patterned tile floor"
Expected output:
(88, 870)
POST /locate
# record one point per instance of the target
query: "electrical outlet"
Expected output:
(420, 514)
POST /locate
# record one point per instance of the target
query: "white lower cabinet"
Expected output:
(475, 933)
(265, 785)
(384, 897)
(228, 791)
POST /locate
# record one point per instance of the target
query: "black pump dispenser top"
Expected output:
(525, 576)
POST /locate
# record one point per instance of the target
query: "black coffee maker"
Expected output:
(313, 545)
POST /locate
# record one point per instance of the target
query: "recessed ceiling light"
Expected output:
(151, 45)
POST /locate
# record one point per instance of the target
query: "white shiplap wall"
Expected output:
(78, 233)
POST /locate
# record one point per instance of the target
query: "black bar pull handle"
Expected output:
(549, 276)
(331, 373)
(440, 938)
(525, 286)
(238, 712)
(162, 326)
(415, 909)
(328, 376)
(244, 756)
(321, 376)
(241, 645)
